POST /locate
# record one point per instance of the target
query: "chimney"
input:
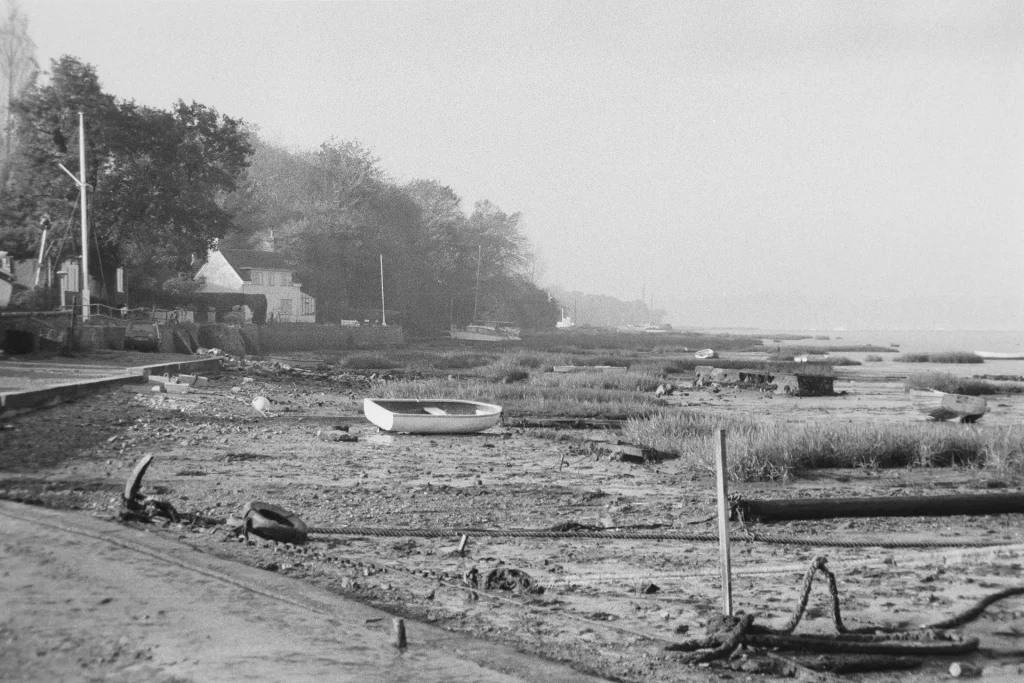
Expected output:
(268, 242)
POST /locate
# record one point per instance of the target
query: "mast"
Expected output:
(476, 296)
(383, 311)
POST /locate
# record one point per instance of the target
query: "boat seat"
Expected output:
(433, 410)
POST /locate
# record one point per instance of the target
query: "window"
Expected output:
(307, 305)
(257, 277)
(285, 307)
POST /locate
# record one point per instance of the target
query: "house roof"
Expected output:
(250, 258)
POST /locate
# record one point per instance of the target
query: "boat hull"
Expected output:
(705, 354)
(485, 333)
(995, 355)
(942, 406)
(430, 416)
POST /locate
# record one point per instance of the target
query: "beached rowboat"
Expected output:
(705, 354)
(939, 405)
(430, 416)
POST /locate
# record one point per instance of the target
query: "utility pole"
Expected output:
(83, 189)
(85, 221)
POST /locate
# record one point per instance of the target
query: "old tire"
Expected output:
(274, 523)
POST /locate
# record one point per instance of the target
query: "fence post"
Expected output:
(723, 521)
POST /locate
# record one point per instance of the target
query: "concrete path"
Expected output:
(33, 382)
(87, 599)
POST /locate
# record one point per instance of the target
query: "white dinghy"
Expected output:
(430, 416)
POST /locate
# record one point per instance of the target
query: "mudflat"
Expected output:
(609, 606)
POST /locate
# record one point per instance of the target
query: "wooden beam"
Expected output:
(899, 506)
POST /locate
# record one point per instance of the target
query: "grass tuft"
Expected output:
(371, 361)
(764, 449)
(939, 357)
(969, 386)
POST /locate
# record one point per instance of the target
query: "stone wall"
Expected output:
(232, 339)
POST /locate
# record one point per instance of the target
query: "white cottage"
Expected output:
(258, 272)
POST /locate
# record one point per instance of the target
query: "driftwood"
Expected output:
(901, 506)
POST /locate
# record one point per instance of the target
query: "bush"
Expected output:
(951, 384)
(873, 358)
(939, 357)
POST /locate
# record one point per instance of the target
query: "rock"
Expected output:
(261, 404)
(964, 670)
(335, 435)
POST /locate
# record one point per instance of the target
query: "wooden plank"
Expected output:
(723, 521)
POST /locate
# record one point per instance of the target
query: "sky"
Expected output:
(820, 164)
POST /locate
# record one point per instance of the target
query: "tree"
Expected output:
(334, 212)
(157, 178)
(17, 71)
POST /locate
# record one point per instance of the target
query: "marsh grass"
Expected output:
(969, 386)
(537, 395)
(371, 361)
(571, 341)
(679, 366)
(418, 359)
(939, 357)
(831, 361)
(802, 349)
(873, 358)
(759, 448)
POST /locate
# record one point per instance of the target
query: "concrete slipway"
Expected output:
(28, 382)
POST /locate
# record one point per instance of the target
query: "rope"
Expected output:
(807, 541)
(975, 611)
(867, 640)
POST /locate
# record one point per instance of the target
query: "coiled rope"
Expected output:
(733, 631)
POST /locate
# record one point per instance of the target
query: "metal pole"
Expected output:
(383, 311)
(723, 522)
(85, 220)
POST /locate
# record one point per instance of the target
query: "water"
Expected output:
(909, 341)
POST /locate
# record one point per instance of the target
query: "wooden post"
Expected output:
(398, 638)
(723, 521)
(462, 545)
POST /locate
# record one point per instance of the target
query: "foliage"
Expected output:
(18, 69)
(336, 215)
(156, 177)
(940, 357)
(600, 310)
(968, 386)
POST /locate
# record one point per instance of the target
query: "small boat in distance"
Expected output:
(430, 415)
(487, 331)
(941, 406)
(705, 354)
(995, 355)
(565, 322)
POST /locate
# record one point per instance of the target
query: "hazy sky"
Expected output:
(819, 164)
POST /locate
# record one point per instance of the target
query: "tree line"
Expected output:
(167, 185)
